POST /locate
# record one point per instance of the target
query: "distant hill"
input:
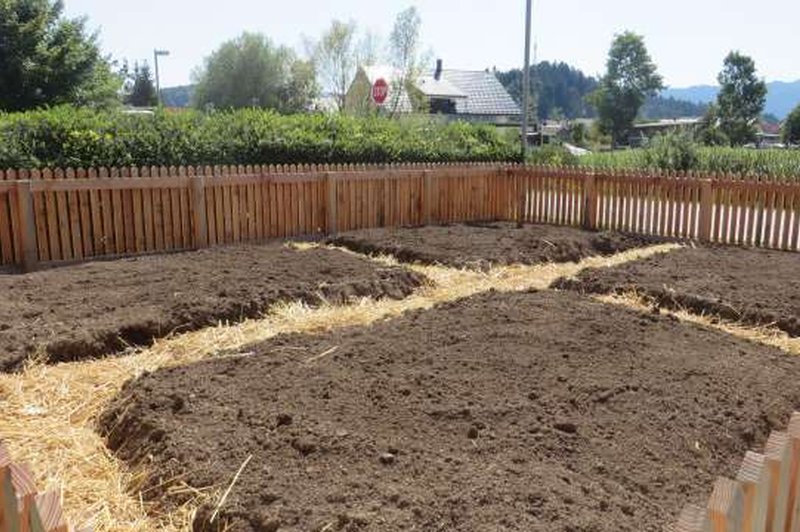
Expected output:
(782, 96)
(562, 91)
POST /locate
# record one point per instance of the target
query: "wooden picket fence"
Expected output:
(57, 216)
(22, 508)
(764, 497)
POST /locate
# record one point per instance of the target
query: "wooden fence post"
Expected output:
(427, 197)
(706, 210)
(26, 228)
(199, 215)
(590, 202)
(330, 211)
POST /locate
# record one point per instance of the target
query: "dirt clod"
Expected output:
(387, 458)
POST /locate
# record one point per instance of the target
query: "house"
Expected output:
(647, 130)
(474, 96)
(768, 135)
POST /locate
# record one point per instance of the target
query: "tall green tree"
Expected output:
(250, 71)
(740, 100)
(791, 127)
(335, 58)
(631, 77)
(143, 88)
(47, 59)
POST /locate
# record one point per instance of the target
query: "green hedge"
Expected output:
(68, 137)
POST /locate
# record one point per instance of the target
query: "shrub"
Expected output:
(553, 155)
(672, 151)
(68, 137)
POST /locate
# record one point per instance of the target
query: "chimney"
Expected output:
(438, 74)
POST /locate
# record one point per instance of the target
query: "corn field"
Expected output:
(777, 165)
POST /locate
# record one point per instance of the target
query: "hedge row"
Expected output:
(68, 137)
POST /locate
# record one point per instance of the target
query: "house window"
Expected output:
(443, 106)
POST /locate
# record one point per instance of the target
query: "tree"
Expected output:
(143, 89)
(250, 71)
(631, 77)
(740, 100)
(367, 49)
(791, 127)
(404, 53)
(46, 59)
(335, 58)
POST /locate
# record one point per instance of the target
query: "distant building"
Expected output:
(768, 135)
(644, 131)
(474, 96)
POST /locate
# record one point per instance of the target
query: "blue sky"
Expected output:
(687, 38)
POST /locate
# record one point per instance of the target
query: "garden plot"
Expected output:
(99, 308)
(481, 245)
(521, 411)
(750, 286)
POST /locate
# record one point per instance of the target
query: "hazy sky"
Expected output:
(687, 38)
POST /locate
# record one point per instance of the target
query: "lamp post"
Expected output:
(156, 54)
(526, 79)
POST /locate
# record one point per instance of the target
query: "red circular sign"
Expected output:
(380, 90)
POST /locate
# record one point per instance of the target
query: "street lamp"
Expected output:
(526, 79)
(156, 54)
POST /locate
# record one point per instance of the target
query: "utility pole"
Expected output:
(526, 78)
(156, 54)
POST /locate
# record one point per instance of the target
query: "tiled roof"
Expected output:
(485, 94)
(430, 86)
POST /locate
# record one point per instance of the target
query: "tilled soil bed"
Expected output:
(527, 412)
(98, 308)
(752, 286)
(481, 245)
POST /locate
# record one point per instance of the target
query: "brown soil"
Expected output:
(480, 245)
(527, 412)
(93, 309)
(752, 286)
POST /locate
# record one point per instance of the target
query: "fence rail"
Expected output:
(52, 216)
(764, 497)
(22, 508)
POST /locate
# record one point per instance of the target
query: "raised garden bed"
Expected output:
(522, 411)
(98, 308)
(751, 286)
(481, 245)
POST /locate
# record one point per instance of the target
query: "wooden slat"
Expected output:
(6, 236)
(753, 478)
(777, 461)
(128, 231)
(725, 508)
(139, 239)
(793, 498)
(25, 490)
(46, 514)
(692, 519)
